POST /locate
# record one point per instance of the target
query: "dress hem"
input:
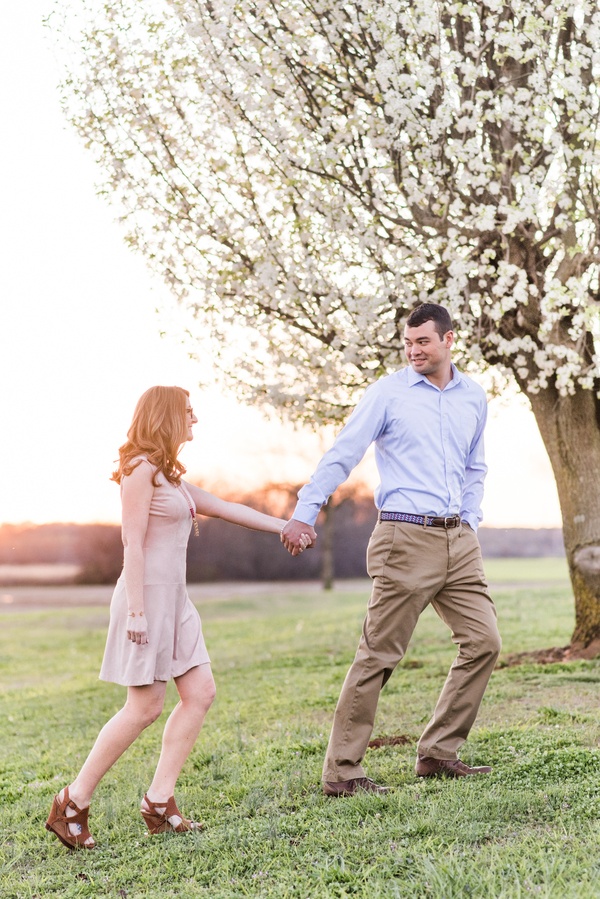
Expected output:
(160, 680)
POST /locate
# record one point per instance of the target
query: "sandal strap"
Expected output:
(158, 810)
(59, 822)
(172, 810)
(162, 814)
(80, 817)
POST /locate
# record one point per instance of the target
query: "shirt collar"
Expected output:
(415, 378)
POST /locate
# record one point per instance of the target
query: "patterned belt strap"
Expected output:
(426, 521)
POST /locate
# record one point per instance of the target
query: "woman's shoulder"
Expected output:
(135, 460)
(137, 470)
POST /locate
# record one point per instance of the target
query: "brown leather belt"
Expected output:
(426, 521)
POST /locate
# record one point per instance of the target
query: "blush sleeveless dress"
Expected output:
(176, 642)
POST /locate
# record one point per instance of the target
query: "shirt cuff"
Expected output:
(306, 513)
(471, 519)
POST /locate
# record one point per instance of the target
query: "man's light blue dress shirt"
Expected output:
(428, 448)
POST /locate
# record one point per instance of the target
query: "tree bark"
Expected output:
(570, 429)
(327, 559)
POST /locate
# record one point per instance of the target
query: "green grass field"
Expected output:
(528, 829)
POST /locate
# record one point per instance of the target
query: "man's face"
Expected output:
(426, 351)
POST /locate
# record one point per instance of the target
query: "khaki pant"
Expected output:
(412, 566)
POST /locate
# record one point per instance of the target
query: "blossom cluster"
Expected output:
(307, 172)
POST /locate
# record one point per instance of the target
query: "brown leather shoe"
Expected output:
(430, 767)
(350, 787)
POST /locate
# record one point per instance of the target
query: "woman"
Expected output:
(155, 631)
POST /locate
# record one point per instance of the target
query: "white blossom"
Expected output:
(304, 173)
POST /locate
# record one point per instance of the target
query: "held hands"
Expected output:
(137, 628)
(297, 536)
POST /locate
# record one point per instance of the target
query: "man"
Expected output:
(427, 424)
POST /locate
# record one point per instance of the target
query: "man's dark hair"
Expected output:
(430, 312)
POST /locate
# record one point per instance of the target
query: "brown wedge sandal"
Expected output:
(158, 817)
(60, 823)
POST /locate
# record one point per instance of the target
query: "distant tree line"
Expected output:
(226, 552)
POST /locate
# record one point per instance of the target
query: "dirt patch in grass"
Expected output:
(570, 653)
(398, 740)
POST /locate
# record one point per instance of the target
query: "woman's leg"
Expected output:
(143, 706)
(196, 690)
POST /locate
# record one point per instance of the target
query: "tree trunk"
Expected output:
(327, 562)
(570, 429)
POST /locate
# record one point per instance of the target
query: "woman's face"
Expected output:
(190, 419)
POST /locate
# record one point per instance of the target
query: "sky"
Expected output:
(80, 338)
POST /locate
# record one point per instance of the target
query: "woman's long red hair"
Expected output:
(158, 429)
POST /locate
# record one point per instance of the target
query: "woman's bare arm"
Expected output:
(237, 513)
(137, 489)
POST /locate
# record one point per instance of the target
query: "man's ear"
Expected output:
(448, 339)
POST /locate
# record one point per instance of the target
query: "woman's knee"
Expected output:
(198, 689)
(145, 711)
(207, 694)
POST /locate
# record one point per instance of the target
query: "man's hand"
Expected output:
(297, 536)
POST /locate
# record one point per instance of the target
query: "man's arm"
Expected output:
(475, 473)
(363, 427)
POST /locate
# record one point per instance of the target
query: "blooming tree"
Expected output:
(304, 172)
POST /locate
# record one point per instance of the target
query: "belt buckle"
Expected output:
(448, 518)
